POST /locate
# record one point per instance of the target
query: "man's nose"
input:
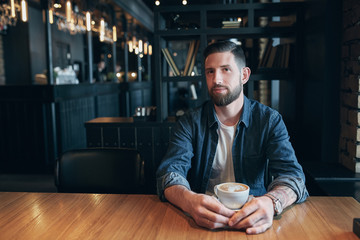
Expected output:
(218, 77)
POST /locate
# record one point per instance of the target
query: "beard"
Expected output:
(225, 99)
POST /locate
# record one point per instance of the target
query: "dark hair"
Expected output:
(227, 46)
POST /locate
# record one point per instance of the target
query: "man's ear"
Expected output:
(245, 74)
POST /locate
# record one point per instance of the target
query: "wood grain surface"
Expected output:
(111, 216)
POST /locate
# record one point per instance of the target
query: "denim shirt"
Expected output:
(260, 137)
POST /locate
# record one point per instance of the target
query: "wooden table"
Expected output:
(102, 216)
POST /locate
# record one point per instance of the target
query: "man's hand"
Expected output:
(255, 216)
(207, 211)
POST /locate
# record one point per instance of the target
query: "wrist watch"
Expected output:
(277, 204)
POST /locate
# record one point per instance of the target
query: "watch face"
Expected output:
(278, 206)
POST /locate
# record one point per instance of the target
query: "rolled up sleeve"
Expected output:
(168, 180)
(296, 184)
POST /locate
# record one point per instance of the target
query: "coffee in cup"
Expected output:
(232, 195)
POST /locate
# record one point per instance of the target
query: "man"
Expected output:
(230, 139)
(100, 72)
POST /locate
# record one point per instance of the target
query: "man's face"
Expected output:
(223, 78)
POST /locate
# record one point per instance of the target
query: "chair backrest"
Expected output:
(115, 170)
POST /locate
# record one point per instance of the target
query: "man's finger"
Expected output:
(217, 207)
(242, 213)
(259, 229)
(204, 222)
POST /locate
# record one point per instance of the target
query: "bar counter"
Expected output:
(40, 121)
(56, 93)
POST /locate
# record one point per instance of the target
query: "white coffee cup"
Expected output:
(232, 195)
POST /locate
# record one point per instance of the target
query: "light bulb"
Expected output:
(51, 16)
(68, 11)
(88, 21)
(157, 2)
(57, 4)
(134, 42)
(130, 46)
(146, 48)
(24, 12)
(12, 8)
(114, 34)
(140, 45)
(102, 30)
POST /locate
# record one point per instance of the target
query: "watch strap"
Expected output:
(277, 203)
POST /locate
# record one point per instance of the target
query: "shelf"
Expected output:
(269, 74)
(256, 32)
(282, 23)
(183, 79)
(132, 86)
(281, 6)
(272, 74)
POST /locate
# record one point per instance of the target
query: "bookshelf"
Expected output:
(271, 36)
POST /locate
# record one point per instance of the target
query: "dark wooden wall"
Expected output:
(320, 88)
(37, 123)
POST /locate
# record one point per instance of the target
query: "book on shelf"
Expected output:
(189, 62)
(188, 57)
(266, 53)
(235, 23)
(231, 24)
(271, 59)
(170, 61)
(265, 92)
(191, 57)
(287, 55)
(275, 56)
(262, 92)
(193, 92)
(278, 59)
(280, 23)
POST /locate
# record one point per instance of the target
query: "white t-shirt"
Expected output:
(223, 167)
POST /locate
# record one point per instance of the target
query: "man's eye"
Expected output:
(226, 69)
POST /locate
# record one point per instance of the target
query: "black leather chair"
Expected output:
(115, 170)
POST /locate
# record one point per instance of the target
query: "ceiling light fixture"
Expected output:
(11, 11)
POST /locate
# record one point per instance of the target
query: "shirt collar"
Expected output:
(212, 119)
(244, 118)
